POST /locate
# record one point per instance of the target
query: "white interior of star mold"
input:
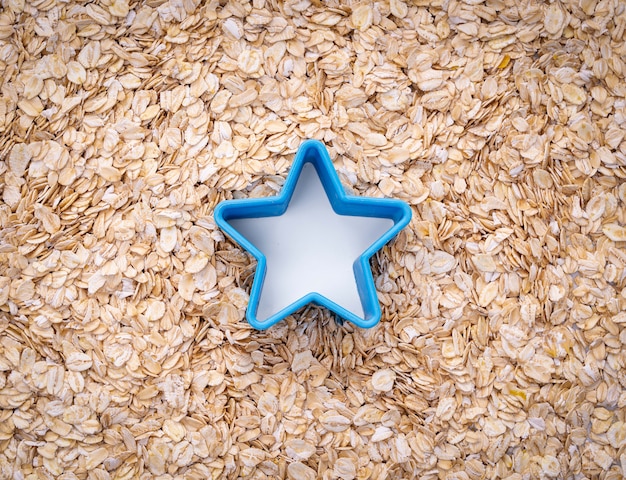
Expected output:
(310, 248)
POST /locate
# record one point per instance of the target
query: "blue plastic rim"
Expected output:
(314, 152)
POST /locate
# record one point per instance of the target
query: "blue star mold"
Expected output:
(312, 242)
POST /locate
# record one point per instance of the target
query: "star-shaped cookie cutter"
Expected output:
(315, 153)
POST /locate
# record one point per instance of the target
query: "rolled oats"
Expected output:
(298, 470)
(299, 450)
(124, 350)
(383, 380)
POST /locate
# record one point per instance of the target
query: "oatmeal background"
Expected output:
(124, 352)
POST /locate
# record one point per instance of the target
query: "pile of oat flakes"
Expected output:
(124, 351)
